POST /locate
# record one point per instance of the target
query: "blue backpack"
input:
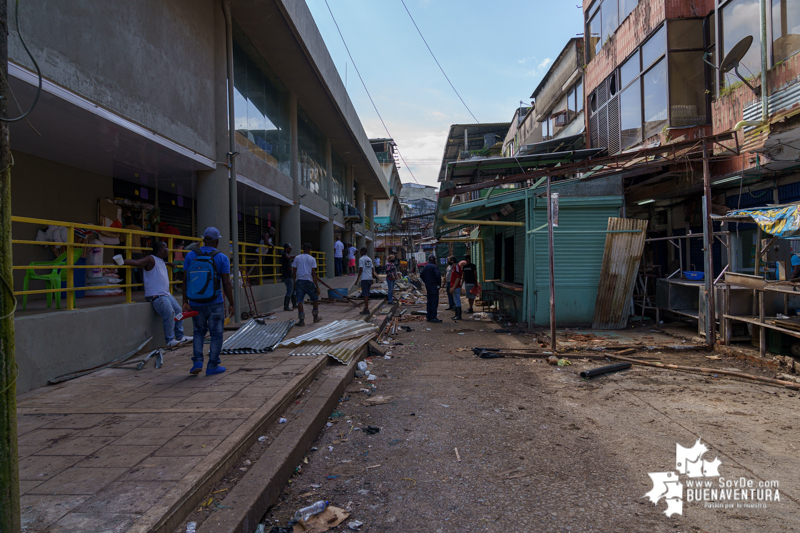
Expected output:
(203, 281)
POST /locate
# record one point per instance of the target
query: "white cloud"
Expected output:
(544, 63)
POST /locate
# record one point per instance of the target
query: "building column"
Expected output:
(290, 215)
(359, 192)
(349, 236)
(213, 207)
(326, 228)
(371, 217)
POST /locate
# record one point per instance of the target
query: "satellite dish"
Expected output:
(733, 59)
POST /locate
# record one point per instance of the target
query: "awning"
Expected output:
(573, 142)
(780, 221)
(473, 170)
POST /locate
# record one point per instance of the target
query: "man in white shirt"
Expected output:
(338, 255)
(156, 291)
(365, 274)
(351, 259)
(304, 272)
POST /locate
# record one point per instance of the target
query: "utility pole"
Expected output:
(708, 246)
(552, 267)
(9, 467)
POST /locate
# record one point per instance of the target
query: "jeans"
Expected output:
(337, 261)
(304, 287)
(433, 301)
(167, 307)
(289, 282)
(450, 300)
(391, 289)
(457, 297)
(211, 318)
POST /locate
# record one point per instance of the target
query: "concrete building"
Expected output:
(522, 131)
(133, 112)
(387, 211)
(559, 97)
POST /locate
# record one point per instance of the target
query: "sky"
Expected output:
(494, 51)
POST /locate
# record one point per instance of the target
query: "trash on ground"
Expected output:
(376, 400)
(552, 360)
(564, 362)
(191, 527)
(372, 377)
(458, 457)
(362, 365)
(307, 512)
(355, 524)
(330, 518)
(371, 430)
(262, 438)
(282, 420)
(589, 374)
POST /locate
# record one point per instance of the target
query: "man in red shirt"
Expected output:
(456, 279)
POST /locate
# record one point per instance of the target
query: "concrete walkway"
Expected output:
(125, 450)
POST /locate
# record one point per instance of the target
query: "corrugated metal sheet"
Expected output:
(621, 257)
(578, 257)
(334, 332)
(782, 105)
(257, 336)
(519, 244)
(342, 352)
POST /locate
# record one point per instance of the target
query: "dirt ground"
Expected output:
(541, 449)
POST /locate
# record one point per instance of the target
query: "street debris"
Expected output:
(458, 457)
(376, 400)
(589, 374)
(564, 362)
(371, 430)
(552, 360)
(282, 421)
(355, 524)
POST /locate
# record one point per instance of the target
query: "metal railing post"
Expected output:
(70, 269)
(128, 270)
(170, 257)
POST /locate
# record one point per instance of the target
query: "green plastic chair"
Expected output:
(52, 280)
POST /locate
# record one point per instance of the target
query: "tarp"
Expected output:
(781, 222)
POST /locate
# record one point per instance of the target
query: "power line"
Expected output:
(367, 90)
(437, 61)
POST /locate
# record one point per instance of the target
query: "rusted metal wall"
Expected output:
(618, 274)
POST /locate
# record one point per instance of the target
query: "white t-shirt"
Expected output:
(351, 252)
(378, 261)
(365, 264)
(156, 280)
(338, 248)
(304, 264)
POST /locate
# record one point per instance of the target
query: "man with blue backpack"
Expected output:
(207, 274)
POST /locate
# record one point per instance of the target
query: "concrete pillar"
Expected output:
(329, 176)
(290, 215)
(349, 234)
(360, 199)
(326, 238)
(371, 217)
(212, 185)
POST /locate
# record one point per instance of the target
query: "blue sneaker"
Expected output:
(210, 371)
(196, 368)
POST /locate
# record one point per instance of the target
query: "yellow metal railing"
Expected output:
(261, 261)
(71, 245)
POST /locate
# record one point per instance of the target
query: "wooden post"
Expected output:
(708, 245)
(9, 466)
(552, 268)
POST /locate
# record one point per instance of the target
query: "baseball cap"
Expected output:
(211, 233)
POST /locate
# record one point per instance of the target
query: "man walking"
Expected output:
(470, 280)
(432, 279)
(286, 275)
(338, 249)
(156, 291)
(448, 271)
(208, 274)
(365, 270)
(351, 260)
(304, 273)
(456, 279)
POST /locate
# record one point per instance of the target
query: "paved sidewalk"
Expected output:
(125, 450)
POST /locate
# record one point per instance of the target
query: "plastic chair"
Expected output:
(52, 280)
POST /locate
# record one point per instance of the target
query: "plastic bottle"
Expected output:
(307, 512)
(362, 365)
(191, 527)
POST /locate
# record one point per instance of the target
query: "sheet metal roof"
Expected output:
(473, 170)
(475, 132)
(256, 336)
(334, 332)
(342, 352)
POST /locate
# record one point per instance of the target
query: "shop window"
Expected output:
(654, 48)
(311, 155)
(631, 115)
(261, 119)
(654, 88)
(687, 88)
(740, 18)
(629, 70)
(785, 29)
